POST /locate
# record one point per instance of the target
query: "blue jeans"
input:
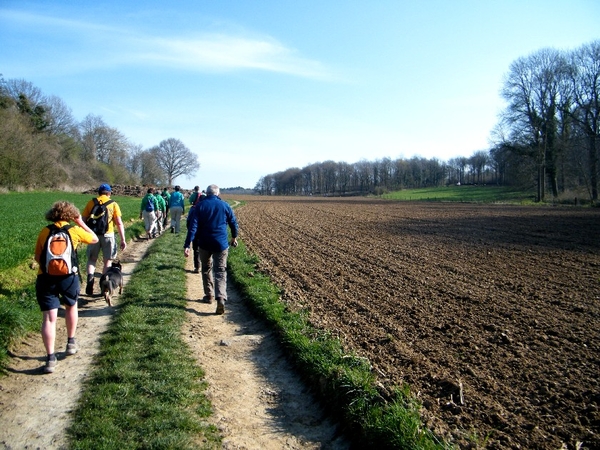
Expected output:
(214, 273)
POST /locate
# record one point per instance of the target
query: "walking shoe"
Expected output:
(71, 348)
(196, 270)
(172, 230)
(89, 288)
(208, 299)
(50, 364)
(220, 307)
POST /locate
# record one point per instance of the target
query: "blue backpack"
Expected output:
(150, 203)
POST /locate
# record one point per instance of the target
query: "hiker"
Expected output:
(106, 233)
(194, 195)
(208, 226)
(177, 207)
(148, 212)
(161, 210)
(166, 196)
(58, 279)
(195, 248)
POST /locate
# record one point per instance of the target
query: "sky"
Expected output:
(258, 87)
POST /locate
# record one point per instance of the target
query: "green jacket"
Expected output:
(162, 206)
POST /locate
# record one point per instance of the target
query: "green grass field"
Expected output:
(482, 194)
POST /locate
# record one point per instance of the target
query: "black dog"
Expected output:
(110, 281)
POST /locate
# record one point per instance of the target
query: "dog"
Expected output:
(110, 281)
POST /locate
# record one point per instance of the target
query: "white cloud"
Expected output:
(99, 45)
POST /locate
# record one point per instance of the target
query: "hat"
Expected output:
(104, 187)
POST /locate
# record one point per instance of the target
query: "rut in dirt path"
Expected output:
(259, 401)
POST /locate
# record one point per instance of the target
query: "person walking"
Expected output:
(194, 195)
(148, 212)
(166, 196)
(208, 226)
(195, 246)
(107, 242)
(160, 211)
(177, 207)
(58, 279)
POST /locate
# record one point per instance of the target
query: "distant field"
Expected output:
(483, 194)
(23, 218)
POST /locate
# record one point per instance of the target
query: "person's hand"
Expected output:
(186, 252)
(234, 242)
(123, 244)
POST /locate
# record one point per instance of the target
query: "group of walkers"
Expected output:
(59, 281)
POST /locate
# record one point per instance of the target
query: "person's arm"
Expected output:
(191, 232)
(233, 226)
(121, 228)
(79, 221)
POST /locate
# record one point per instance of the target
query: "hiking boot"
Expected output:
(71, 348)
(89, 287)
(207, 299)
(172, 230)
(196, 270)
(50, 364)
(220, 307)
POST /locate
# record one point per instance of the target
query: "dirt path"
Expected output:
(258, 401)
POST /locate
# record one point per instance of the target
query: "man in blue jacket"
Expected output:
(208, 227)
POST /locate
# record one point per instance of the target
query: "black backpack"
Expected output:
(98, 219)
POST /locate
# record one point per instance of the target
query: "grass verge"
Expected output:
(146, 390)
(373, 418)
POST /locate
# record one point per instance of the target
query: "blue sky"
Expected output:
(256, 87)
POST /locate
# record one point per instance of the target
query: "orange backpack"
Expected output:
(59, 257)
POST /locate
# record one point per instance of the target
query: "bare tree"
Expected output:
(60, 117)
(586, 112)
(151, 171)
(176, 159)
(535, 89)
(103, 143)
(478, 161)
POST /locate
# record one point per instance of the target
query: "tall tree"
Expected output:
(176, 159)
(535, 91)
(586, 112)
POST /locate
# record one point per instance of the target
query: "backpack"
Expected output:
(59, 257)
(150, 203)
(98, 220)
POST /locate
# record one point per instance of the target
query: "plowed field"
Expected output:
(490, 313)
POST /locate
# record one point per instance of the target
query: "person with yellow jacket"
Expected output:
(107, 242)
(54, 288)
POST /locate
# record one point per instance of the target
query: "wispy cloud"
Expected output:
(201, 52)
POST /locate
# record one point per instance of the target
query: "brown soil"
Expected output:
(258, 400)
(491, 313)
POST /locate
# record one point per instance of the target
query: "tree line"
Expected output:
(43, 146)
(547, 138)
